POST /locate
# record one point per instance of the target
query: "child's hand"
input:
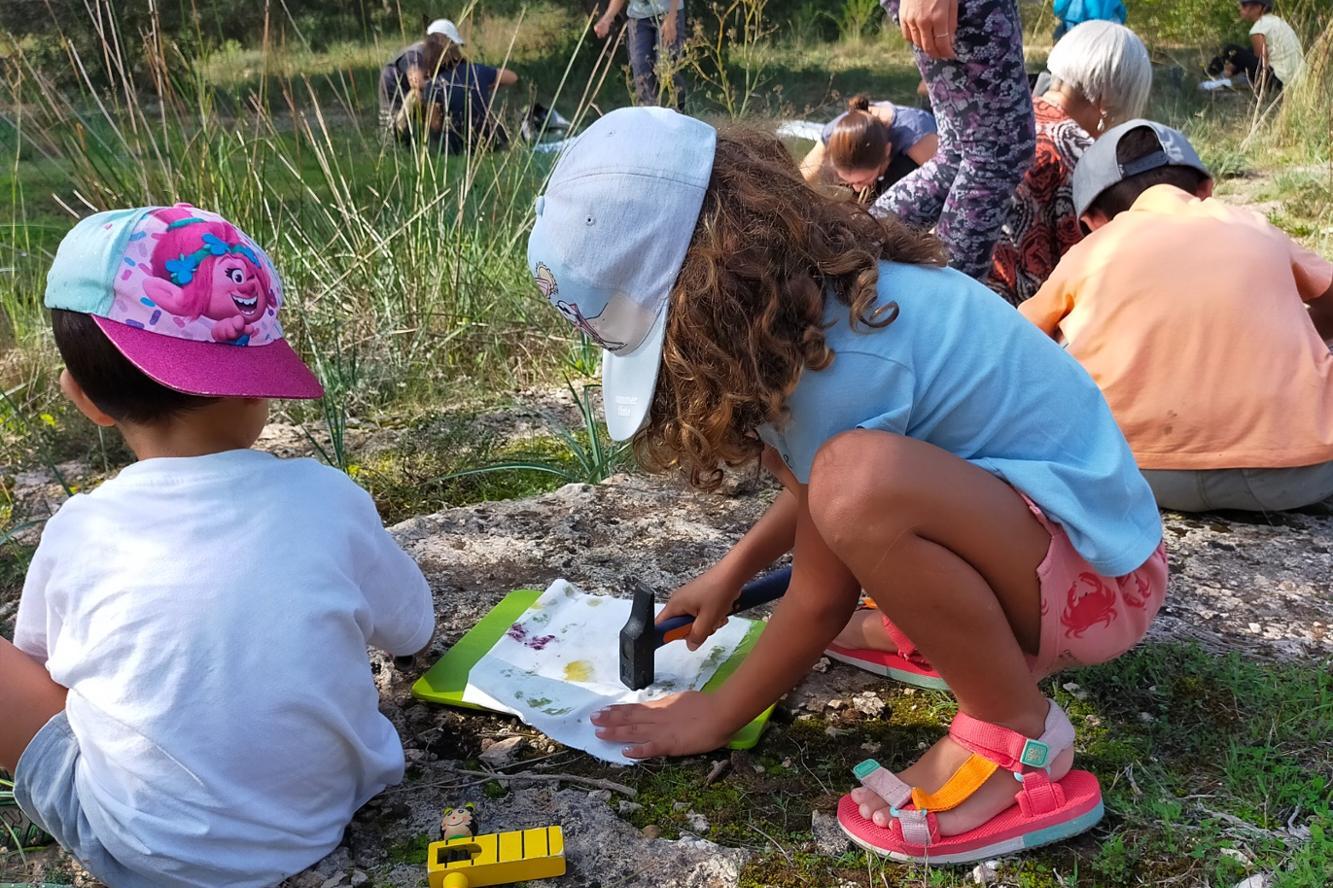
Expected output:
(681, 724)
(603, 26)
(708, 598)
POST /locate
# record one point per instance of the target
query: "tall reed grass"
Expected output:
(403, 268)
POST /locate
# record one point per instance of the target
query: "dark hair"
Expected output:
(117, 387)
(1137, 143)
(859, 141)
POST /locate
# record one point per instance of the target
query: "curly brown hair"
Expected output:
(746, 314)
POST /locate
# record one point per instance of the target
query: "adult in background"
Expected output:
(1100, 76)
(970, 54)
(656, 28)
(431, 89)
(1275, 58)
(870, 146)
(1071, 13)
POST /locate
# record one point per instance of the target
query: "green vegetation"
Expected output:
(408, 292)
(1213, 768)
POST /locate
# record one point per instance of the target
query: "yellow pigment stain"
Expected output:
(578, 670)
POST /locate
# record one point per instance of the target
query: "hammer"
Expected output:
(641, 637)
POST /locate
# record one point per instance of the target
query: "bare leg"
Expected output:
(28, 698)
(950, 554)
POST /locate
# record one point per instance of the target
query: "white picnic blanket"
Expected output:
(561, 662)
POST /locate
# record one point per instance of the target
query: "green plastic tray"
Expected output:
(447, 679)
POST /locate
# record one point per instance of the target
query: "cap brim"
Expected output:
(212, 369)
(629, 380)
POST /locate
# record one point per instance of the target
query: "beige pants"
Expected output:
(1252, 490)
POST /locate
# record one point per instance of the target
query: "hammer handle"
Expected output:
(756, 592)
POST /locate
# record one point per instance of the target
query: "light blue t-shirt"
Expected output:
(960, 369)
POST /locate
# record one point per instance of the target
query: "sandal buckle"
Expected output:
(1035, 754)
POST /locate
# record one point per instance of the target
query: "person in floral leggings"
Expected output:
(970, 54)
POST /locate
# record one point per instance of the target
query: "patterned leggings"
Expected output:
(983, 109)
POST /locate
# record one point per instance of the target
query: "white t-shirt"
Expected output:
(1285, 55)
(210, 617)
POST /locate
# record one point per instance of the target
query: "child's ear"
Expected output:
(1093, 219)
(1205, 189)
(72, 390)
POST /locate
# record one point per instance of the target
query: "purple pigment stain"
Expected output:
(519, 633)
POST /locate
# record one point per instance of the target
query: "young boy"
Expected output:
(655, 29)
(1203, 325)
(1275, 58)
(188, 699)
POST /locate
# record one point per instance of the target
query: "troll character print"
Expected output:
(546, 283)
(205, 268)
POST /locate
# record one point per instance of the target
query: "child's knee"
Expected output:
(853, 482)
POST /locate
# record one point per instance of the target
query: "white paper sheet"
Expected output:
(560, 663)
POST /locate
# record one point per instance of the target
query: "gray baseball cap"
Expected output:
(1098, 169)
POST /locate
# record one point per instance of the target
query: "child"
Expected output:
(655, 32)
(1275, 53)
(870, 146)
(188, 699)
(1192, 317)
(934, 450)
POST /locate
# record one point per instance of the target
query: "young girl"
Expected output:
(870, 146)
(935, 450)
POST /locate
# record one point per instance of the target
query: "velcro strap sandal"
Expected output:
(1045, 810)
(904, 665)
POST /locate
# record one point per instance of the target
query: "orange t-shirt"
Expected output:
(1190, 316)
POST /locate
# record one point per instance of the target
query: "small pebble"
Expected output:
(835, 703)
(1260, 881)
(627, 807)
(652, 831)
(1075, 690)
(334, 881)
(1256, 628)
(871, 747)
(1237, 854)
(1147, 718)
(697, 822)
(600, 795)
(822, 665)
(984, 873)
(359, 878)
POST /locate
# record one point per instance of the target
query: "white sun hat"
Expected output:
(611, 234)
(447, 29)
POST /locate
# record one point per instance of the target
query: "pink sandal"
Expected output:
(904, 665)
(1046, 811)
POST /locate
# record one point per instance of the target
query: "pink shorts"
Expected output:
(1085, 617)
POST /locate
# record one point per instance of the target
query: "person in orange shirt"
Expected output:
(1205, 327)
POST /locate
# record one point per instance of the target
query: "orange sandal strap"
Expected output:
(958, 788)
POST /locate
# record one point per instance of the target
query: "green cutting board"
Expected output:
(447, 679)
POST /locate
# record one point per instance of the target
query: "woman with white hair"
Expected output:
(1100, 76)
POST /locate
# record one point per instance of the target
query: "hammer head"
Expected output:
(638, 640)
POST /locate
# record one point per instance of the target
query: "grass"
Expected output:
(1213, 768)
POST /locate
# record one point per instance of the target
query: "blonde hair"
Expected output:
(1108, 64)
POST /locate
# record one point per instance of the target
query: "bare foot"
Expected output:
(865, 631)
(934, 769)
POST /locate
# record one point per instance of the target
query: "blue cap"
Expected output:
(610, 237)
